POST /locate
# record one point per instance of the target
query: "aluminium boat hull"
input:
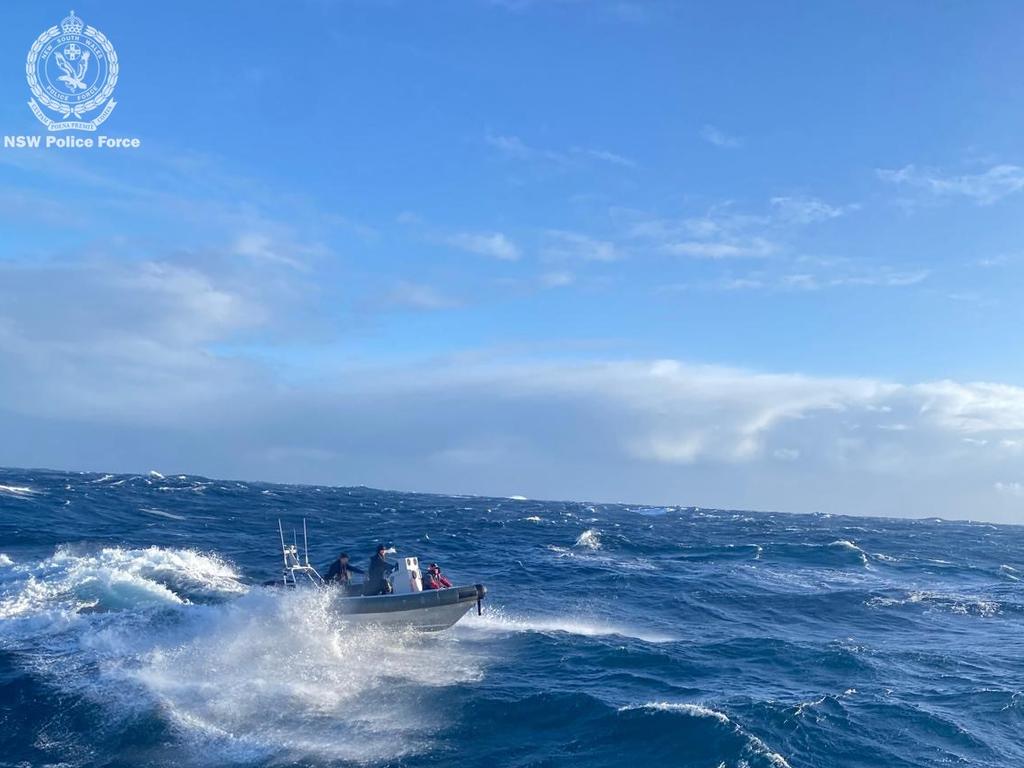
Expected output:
(429, 611)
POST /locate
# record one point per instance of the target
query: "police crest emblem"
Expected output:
(71, 70)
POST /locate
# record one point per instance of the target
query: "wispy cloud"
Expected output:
(419, 296)
(753, 248)
(983, 188)
(807, 210)
(492, 244)
(558, 279)
(515, 148)
(261, 246)
(604, 156)
(563, 244)
(720, 138)
(1012, 488)
(827, 276)
(884, 277)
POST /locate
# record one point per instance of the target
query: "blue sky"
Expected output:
(731, 254)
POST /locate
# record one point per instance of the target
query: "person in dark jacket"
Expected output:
(341, 571)
(434, 579)
(376, 578)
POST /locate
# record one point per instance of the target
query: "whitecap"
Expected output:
(115, 579)
(652, 511)
(849, 545)
(497, 621)
(754, 744)
(273, 677)
(961, 605)
(18, 490)
(590, 539)
(698, 710)
(161, 513)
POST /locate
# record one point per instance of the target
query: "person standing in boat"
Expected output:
(341, 571)
(434, 579)
(376, 578)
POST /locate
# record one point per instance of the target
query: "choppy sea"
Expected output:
(134, 632)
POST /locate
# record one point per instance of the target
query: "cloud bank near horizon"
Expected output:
(143, 387)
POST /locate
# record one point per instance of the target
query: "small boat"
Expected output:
(408, 605)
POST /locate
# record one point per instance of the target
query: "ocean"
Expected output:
(134, 632)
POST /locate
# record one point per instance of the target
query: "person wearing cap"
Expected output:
(376, 578)
(341, 571)
(434, 579)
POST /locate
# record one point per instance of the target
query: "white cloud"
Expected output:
(882, 277)
(752, 248)
(720, 138)
(515, 148)
(121, 342)
(557, 279)
(492, 244)
(1014, 488)
(984, 188)
(419, 296)
(604, 156)
(725, 233)
(561, 244)
(807, 210)
(81, 381)
(259, 245)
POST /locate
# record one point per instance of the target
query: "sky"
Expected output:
(729, 254)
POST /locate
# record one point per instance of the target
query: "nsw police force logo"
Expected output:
(71, 71)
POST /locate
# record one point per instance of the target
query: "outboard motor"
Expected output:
(407, 578)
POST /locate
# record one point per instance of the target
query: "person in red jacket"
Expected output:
(434, 579)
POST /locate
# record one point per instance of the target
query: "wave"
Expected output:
(497, 621)
(754, 747)
(589, 539)
(161, 513)
(835, 554)
(714, 553)
(18, 491)
(268, 676)
(849, 546)
(961, 605)
(114, 579)
(1009, 572)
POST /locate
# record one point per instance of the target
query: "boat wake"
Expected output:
(230, 674)
(497, 621)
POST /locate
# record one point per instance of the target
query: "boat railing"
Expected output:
(297, 569)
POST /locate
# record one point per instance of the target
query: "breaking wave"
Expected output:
(752, 748)
(115, 579)
(240, 674)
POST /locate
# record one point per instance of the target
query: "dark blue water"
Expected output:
(131, 634)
